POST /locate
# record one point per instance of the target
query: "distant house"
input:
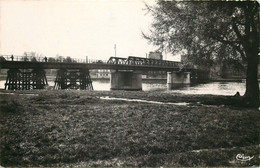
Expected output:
(100, 73)
(103, 73)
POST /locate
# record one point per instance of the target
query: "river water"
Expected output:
(214, 88)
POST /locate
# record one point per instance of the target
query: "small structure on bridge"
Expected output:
(155, 55)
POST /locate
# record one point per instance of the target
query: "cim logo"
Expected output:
(243, 158)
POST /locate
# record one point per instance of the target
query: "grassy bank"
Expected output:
(77, 128)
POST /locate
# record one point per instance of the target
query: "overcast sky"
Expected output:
(75, 28)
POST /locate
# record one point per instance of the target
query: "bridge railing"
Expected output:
(20, 58)
(45, 59)
(116, 60)
(131, 60)
(94, 61)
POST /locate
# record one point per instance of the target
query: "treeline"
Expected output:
(47, 59)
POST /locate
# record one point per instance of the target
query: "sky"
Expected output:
(76, 28)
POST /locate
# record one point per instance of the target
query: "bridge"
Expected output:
(28, 72)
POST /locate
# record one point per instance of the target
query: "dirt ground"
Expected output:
(86, 128)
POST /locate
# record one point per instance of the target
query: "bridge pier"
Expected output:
(176, 79)
(73, 79)
(39, 79)
(17, 80)
(126, 80)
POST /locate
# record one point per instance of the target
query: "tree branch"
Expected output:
(235, 28)
(234, 46)
(255, 8)
(239, 22)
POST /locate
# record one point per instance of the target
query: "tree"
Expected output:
(33, 56)
(51, 59)
(210, 31)
(25, 58)
(59, 58)
(68, 59)
(2, 58)
(33, 59)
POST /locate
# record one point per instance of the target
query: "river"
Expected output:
(214, 88)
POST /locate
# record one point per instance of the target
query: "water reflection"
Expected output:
(215, 88)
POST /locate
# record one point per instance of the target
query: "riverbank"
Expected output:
(79, 128)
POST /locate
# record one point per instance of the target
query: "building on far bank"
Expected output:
(103, 73)
(100, 73)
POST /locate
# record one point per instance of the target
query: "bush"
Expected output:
(2, 58)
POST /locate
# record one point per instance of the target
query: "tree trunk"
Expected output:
(252, 86)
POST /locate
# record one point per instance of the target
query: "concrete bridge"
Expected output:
(126, 73)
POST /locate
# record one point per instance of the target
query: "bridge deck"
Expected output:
(57, 65)
(117, 63)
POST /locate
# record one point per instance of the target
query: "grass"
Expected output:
(77, 128)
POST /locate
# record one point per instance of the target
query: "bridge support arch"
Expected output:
(176, 79)
(126, 80)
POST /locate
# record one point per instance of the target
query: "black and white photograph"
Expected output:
(129, 83)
